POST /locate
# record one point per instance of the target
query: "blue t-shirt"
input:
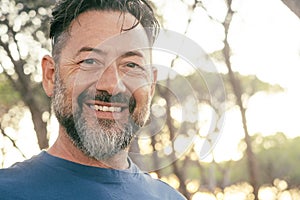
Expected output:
(46, 177)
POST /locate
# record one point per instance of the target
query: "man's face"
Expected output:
(104, 83)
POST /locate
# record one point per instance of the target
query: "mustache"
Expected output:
(104, 96)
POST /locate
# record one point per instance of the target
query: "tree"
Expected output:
(294, 5)
(23, 37)
(277, 158)
(237, 85)
(237, 90)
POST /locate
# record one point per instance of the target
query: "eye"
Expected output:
(90, 64)
(133, 65)
(89, 61)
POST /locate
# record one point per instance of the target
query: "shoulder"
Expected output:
(23, 168)
(15, 179)
(11, 179)
(16, 172)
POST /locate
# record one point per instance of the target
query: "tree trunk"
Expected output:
(40, 126)
(294, 5)
(29, 96)
(236, 86)
(169, 122)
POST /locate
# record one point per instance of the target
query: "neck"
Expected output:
(65, 149)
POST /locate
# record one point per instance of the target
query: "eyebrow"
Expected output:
(132, 53)
(101, 52)
(90, 49)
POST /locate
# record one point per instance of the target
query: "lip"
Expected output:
(115, 115)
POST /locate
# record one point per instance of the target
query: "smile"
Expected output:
(106, 108)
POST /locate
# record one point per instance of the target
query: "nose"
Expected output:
(111, 81)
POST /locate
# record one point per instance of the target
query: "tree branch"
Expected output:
(12, 140)
(293, 5)
(237, 91)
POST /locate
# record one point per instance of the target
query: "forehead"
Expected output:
(103, 29)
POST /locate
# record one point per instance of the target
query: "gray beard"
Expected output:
(99, 139)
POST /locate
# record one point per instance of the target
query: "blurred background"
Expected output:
(255, 145)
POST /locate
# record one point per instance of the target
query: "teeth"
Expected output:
(117, 109)
(97, 107)
(106, 108)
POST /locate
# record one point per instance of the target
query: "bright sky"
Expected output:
(265, 40)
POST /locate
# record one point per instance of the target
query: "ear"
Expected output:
(154, 75)
(48, 67)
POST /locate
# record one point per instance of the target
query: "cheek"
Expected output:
(142, 108)
(143, 97)
(80, 82)
(138, 85)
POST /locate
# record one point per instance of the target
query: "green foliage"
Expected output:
(251, 84)
(277, 157)
(205, 86)
(8, 95)
(280, 159)
(24, 29)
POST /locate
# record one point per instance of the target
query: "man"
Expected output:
(101, 83)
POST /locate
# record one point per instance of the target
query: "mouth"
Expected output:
(106, 108)
(104, 104)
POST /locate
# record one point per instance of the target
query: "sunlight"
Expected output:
(207, 119)
(280, 184)
(231, 134)
(205, 32)
(264, 52)
(172, 180)
(182, 143)
(179, 24)
(153, 175)
(145, 142)
(176, 113)
(267, 193)
(285, 195)
(27, 140)
(270, 120)
(239, 191)
(168, 150)
(193, 186)
(201, 196)
(183, 68)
